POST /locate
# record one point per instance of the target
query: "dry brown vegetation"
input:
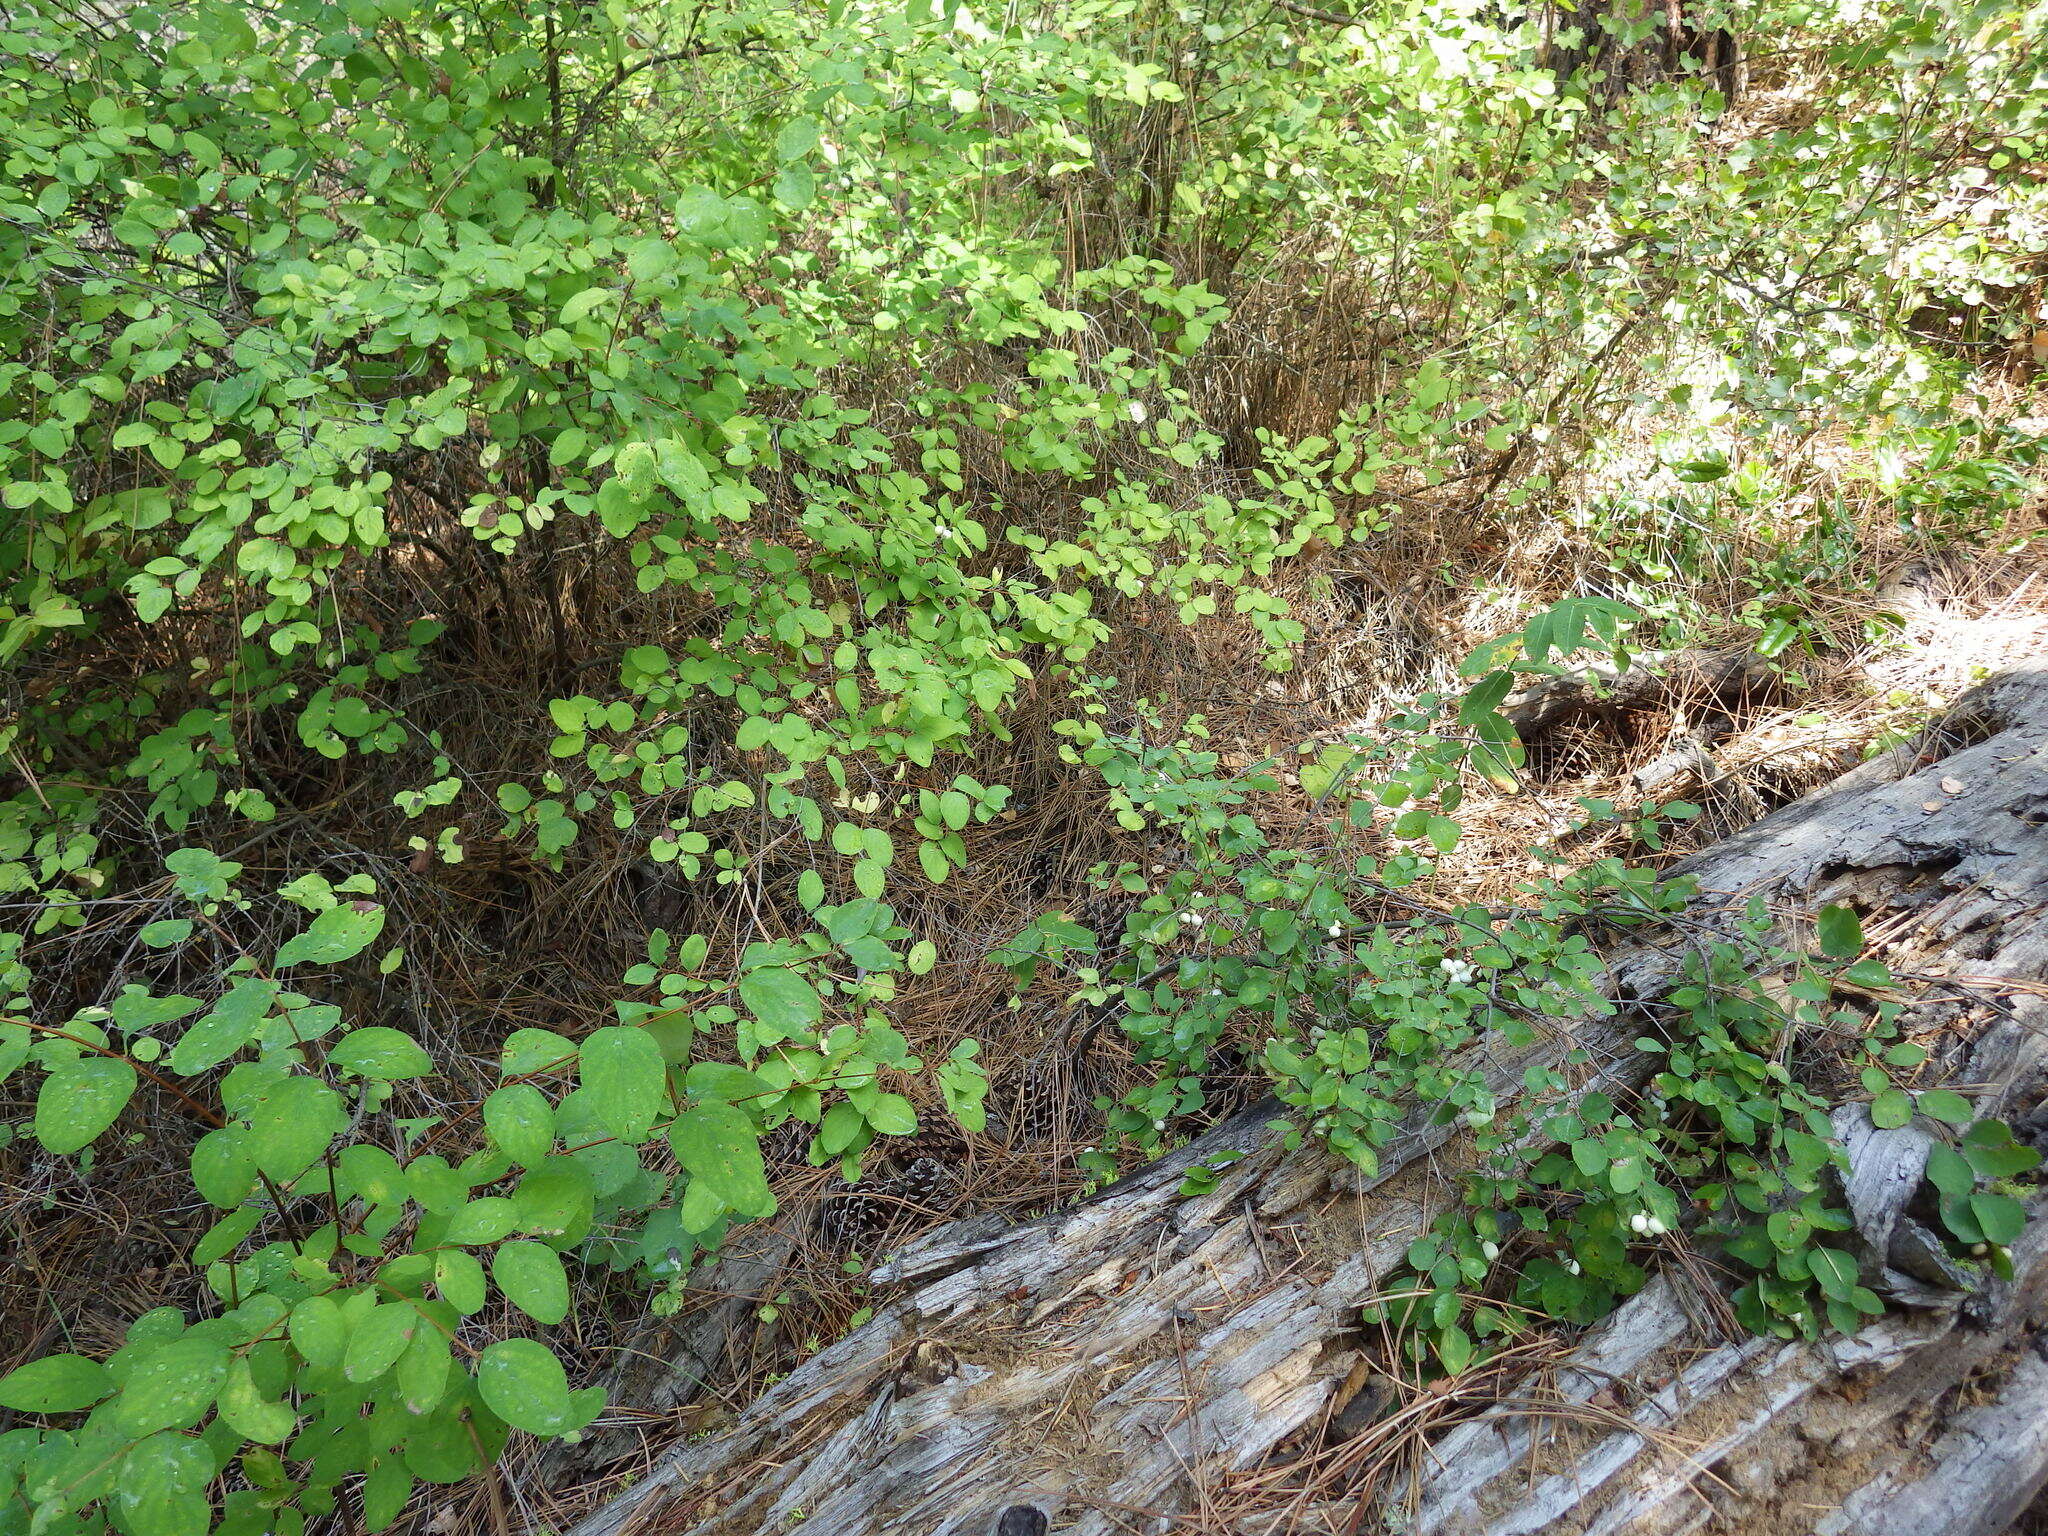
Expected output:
(500, 938)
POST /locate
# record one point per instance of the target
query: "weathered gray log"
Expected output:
(1943, 847)
(1753, 1434)
(1109, 1362)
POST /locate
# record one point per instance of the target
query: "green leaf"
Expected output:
(318, 1332)
(1946, 1105)
(1834, 1270)
(1443, 833)
(798, 138)
(523, 1384)
(2002, 1218)
(386, 1489)
(340, 933)
(555, 1199)
(422, 1374)
(521, 1122)
(232, 1024)
(435, 1184)
(248, 1413)
(1484, 697)
(723, 1081)
(1454, 1349)
(482, 1221)
(80, 1099)
(15, 1044)
(527, 1051)
(172, 1385)
(380, 1052)
(785, 1004)
(292, 1125)
(225, 1235)
(840, 1127)
(1948, 1172)
(1841, 934)
(1997, 1157)
(584, 303)
(136, 1009)
(1957, 1217)
(533, 1280)
(1890, 1109)
(379, 1340)
(717, 1143)
(796, 185)
(372, 1172)
(459, 1277)
(623, 1072)
(161, 1488)
(891, 1114)
(55, 1384)
(1700, 471)
(438, 1448)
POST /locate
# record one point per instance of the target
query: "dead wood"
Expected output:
(1115, 1362)
(1698, 683)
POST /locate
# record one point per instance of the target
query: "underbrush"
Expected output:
(614, 627)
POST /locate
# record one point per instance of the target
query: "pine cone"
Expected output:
(926, 1182)
(940, 1141)
(853, 1219)
(786, 1145)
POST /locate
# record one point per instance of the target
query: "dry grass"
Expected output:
(500, 941)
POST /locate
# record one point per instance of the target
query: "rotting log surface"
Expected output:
(1113, 1361)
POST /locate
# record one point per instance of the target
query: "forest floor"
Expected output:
(1800, 724)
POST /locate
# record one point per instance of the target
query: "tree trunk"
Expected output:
(1134, 1362)
(1679, 41)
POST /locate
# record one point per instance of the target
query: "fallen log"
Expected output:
(1711, 684)
(1114, 1363)
(1850, 1435)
